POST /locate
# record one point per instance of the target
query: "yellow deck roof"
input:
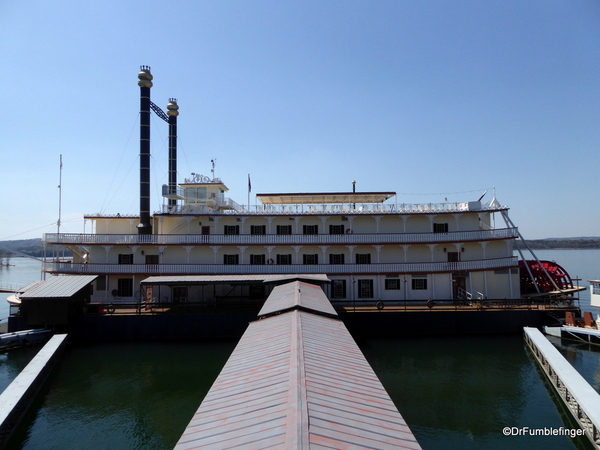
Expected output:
(324, 198)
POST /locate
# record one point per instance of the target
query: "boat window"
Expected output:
(365, 288)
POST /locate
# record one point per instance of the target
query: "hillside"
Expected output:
(31, 247)
(563, 243)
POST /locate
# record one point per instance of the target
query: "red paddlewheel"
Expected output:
(556, 272)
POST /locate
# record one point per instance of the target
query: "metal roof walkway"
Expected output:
(297, 380)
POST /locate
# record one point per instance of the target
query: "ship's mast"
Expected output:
(59, 196)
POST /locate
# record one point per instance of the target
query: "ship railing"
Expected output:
(209, 205)
(462, 294)
(332, 269)
(132, 307)
(314, 209)
(219, 304)
(433, 305)
(279, 239)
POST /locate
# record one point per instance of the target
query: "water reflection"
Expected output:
(454, 392)
(123, 396)
(460, 392)
(584, 357)
(13, 362)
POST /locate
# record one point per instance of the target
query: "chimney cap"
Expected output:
(173, 107)
(145, 77)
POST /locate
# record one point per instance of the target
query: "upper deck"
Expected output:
(228, 207)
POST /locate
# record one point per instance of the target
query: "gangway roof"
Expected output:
(298, 381)
(324, 198)
(297, 295)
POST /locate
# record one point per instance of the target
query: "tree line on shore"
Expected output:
(570, 243)
(30, 247)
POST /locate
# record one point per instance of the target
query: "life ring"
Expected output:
(270, 261)
(115, 292)
(379, 305)
(349, 231)
(110, 309)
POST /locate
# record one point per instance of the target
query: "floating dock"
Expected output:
(297, 380)
(576, 393)
(18, 396)
(584, 330)
(587, 335)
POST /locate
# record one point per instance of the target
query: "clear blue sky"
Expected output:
(417, 97)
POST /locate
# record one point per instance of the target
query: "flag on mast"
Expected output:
(249, 184)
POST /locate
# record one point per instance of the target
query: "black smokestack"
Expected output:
(172, 112)
(145, 83)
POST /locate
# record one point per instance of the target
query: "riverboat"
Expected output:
(372, 246)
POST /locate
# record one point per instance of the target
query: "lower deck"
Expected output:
(216, 323)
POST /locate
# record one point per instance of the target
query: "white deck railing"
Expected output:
(278, 239)
(351, 208)
(226, 206)
(218, 269)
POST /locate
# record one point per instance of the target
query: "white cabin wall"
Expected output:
(178, 255)
(418, 253)
(391, 224)
(180, 225)
(469, 222)
(116, 225)
(497, 249)
(498, 285)
(418, 224)
(390, 254)
(476, 284)
(442, 286)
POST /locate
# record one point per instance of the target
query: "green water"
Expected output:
(460, 392)
(455, 393)
(13, 362)
(122, 396)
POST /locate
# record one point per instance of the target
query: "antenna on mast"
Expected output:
(213, 162)
(59, 195)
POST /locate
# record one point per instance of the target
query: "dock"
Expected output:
(18, 396)
(10, 287)
(580, 334)
(297, 380)
(578, 396)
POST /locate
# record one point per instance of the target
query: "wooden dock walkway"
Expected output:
(297, 380)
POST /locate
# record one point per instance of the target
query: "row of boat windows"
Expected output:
(306, 229)
(365, 287)
(282, 259)
(338, 287)
(285, 259)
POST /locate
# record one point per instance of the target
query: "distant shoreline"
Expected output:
(562, 244)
